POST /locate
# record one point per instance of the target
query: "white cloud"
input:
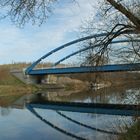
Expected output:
(31, 42)
(71, 15)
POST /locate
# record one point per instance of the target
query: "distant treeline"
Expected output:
(22, 65)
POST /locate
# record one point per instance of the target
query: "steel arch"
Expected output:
(30, 68)
(87, 48)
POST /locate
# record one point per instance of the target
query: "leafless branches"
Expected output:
(117, 18)
(23, 11)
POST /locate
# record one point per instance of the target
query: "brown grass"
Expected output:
(9, 85)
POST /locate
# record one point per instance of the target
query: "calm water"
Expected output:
(19, 123)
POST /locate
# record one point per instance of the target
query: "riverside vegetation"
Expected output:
(11, 88)
(10, 85)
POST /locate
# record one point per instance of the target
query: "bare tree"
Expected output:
(23, 11)
(119, 16)
(116, 18)
(134, 20)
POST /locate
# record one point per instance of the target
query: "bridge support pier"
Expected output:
(38, 79)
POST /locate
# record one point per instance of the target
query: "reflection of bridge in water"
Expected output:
(59, 107)
(97, 108)
(70, 119)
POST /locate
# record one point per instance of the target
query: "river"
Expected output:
(19, 122)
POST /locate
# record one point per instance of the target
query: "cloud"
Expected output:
(71, 15)
(32, 42)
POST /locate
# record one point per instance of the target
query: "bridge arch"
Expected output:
(87, 48)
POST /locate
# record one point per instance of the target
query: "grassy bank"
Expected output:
(9, 85)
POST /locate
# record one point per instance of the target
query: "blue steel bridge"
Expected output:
(59, 107)
(82, 69)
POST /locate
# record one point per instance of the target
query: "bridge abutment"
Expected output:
(29, 79)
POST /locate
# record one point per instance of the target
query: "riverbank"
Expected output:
(10, 85)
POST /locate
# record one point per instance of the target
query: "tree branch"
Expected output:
(135, 20)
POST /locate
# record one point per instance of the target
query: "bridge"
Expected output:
(96, 108)
(88, 69)
(82, 69)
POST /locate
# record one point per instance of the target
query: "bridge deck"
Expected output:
(87, 69)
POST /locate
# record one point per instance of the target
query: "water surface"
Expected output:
(18, 122)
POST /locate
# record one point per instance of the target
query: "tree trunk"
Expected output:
(135, 20)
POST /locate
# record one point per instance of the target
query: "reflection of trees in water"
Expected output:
(114, 123)
(124, 94)
(132, 96)
(5, 111)
(105, 95)
(128, 126)
(120, 95)
(87, 126)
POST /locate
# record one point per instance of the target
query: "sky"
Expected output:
(29, 43)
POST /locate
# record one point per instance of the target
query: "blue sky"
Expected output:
(31, 42)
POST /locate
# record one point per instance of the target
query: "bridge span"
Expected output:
(88, 69)
(36, 75)
(129, 67)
